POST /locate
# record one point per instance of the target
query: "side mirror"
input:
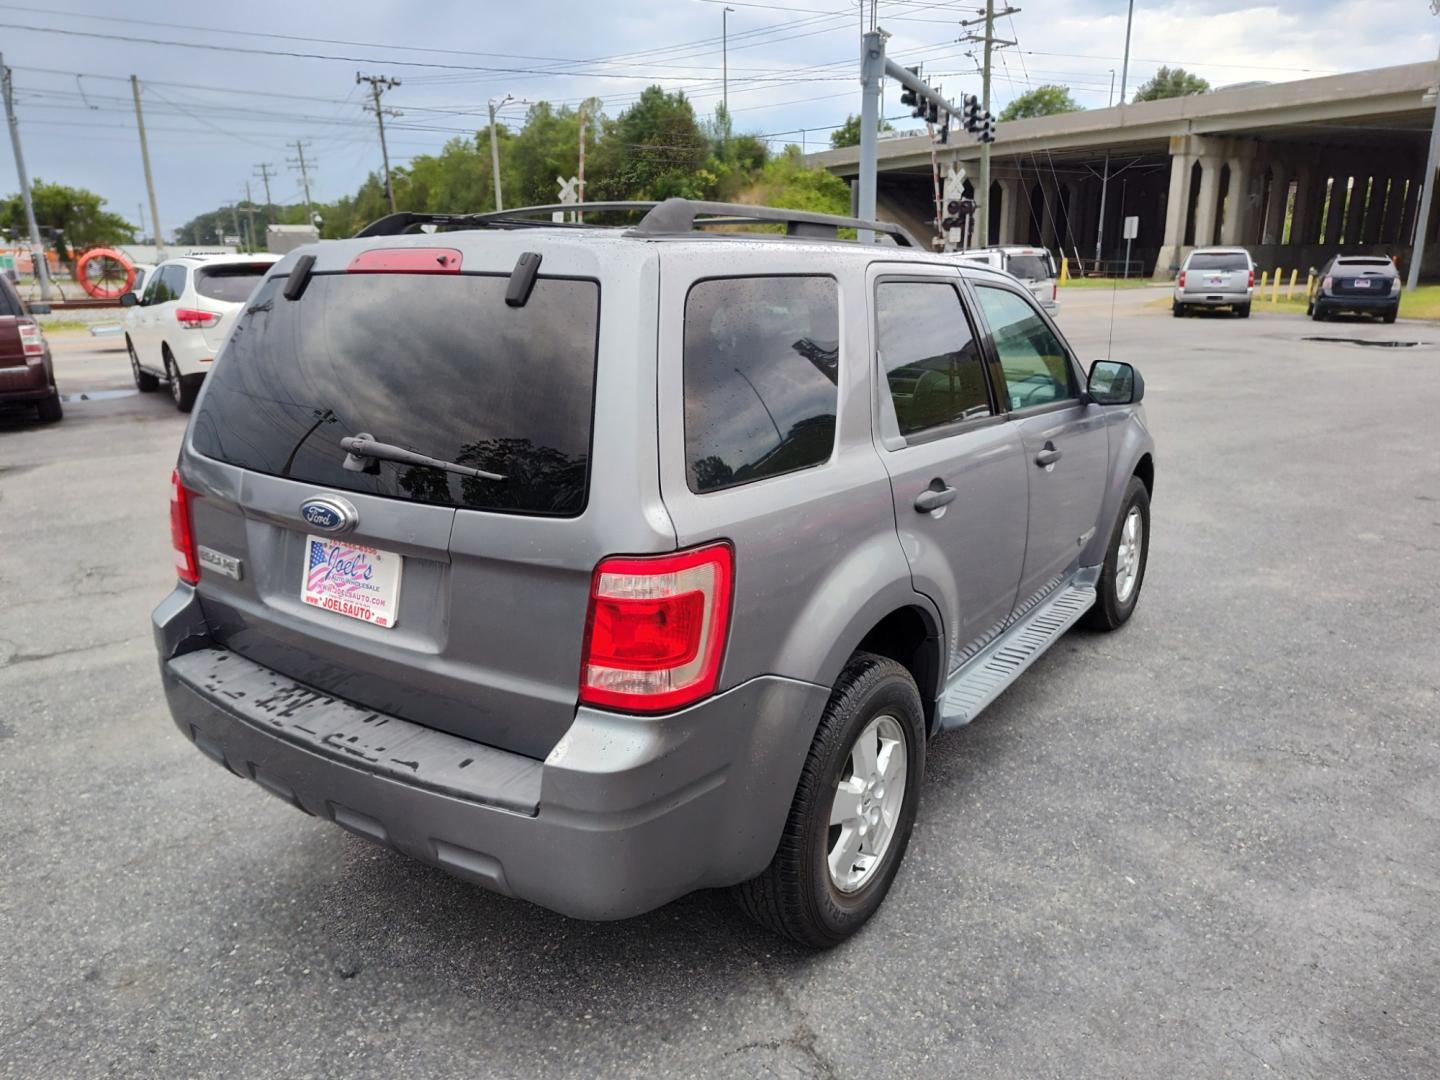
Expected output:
(39, 309)
(128, 299)
(1115, 383)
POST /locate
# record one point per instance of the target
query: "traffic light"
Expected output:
(972, 113)
(932, 116)
(986, 133)
(909, 97)
(957, 213)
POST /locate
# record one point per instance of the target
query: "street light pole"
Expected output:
(1417, 251)
(37, 249)
(1105, 178)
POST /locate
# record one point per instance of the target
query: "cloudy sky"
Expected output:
(228, 87)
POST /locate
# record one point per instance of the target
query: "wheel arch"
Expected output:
(912, 637)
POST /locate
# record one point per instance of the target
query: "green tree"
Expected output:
(1171, 82)
(79, 214)
(848, 133)
(1048, 100)
(653, 150)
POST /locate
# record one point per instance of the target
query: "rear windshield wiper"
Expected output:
(363, 446)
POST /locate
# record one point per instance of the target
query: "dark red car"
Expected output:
(26, 373)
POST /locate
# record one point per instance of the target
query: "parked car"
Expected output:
(27, 374)
(1035, 266)
(1357, 284)
(1214, 277)
(600, 566)
(177, 324)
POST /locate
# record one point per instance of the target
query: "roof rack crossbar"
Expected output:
(668, 218)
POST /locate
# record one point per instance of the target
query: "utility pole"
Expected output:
(265, 168)
(1105, 177)
(300, 163)
(235, 217)
(495, 107)
(378, 85)
(982, 189)
(250, 215)
(37, 249)
(149, 178)
(725, 13)
(141, 207)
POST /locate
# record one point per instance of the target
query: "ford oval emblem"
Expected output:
(329, 514)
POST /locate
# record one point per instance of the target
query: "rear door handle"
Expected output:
(1048, 456)
(933, 498)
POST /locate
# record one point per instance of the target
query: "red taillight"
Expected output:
(1182, 279)
(1328, 284)
(194, 319)
(1054, 290)
(406, 261)
(32, 339)
(656, 629)
(182, 539)
(1251, 283)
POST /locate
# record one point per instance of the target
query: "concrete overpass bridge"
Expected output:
(1293, 171)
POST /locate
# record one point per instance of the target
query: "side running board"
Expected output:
(986, 676)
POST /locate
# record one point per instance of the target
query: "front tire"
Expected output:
(853, 810)
(1125, 559)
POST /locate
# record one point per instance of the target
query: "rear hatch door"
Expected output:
(1217, 272)
(1358, 279)
(476, 589)
(1035, 270)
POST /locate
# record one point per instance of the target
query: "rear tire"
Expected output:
(144, 381)
(1243, 311)
(1318, 313)
(183, 388)
(1390, 316)
(1178, 310)
(1124, 569)
(798, 895)
(50, 409)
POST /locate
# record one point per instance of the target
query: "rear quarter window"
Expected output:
(761, 358)
(232, 284)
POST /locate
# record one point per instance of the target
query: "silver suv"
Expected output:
(600, 565)
(1215, 277)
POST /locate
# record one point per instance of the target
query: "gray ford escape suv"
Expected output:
(600, 565)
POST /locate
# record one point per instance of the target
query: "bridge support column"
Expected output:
(1272, 226)
(1208, 202)
(1177, 206)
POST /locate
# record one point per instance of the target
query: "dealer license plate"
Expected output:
(1361, 283)
(354, 580)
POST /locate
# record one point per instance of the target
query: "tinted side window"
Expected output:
(929, 355)
(1036, 366)
(760, 364)
(9, 300)
(154, 286)
(175, 281)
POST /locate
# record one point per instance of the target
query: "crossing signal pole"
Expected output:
(378, 85)
(37, 249)
(299, 162)
(986, 128)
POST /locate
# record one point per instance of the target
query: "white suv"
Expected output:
(177, 325)
(1034, 266)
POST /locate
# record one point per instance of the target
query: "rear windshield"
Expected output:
(1219, 260)
(1029, 267)
(436, 364)
(1355, 261)
(234, 283)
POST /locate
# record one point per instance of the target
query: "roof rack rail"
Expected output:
(669, 218)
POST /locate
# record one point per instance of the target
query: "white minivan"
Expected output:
(178, 323)
(1034, 266)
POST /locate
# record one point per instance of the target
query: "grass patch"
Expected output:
(61, 326)
(1423, 303)
(1105, 283)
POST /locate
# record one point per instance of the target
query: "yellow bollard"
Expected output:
(1275, 288)
(1290, 288)
(1064, 269)
(1264, 277)
(1309, 284)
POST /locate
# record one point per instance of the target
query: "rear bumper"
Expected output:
(1383, 302)
(624, 815)
(1212, 299)
(28, 382)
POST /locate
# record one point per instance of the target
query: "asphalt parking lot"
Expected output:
(1207, 845)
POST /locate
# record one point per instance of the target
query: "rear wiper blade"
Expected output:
(362, 446)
